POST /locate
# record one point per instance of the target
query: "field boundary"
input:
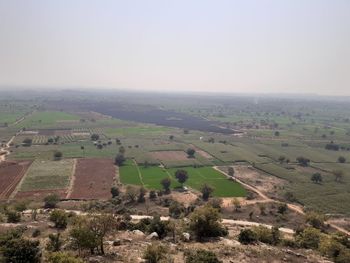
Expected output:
(72, 180)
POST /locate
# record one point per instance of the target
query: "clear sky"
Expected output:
(295, 46)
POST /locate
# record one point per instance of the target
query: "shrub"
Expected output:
(18, 250)
(95, 137)
(57, 155)
(206, 191)
(51, 201)
(55, 243)
(201, 256)
(114, 191)
(205, 222)
(36, 233)
(154, 253)
(13, 216)
(190, 152)
(247, 236)
(309, 238)
(119, 159)
(60, 218)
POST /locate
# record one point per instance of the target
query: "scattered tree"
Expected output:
(57, 155)
(247, 236)
(341, 159)
(316, 178)
(55, 242)
(119, 159)
(95, 137)
(231, 171)
(166, 182)
(190, 152)
(114, 191)
(206, 191)
(303, 161)
(181, 176)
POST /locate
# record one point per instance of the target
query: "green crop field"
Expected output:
(223, 187)
(129, 174)
(152, 175)
(48, 175)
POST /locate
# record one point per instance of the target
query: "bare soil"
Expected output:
(93, 179)
(11, 174)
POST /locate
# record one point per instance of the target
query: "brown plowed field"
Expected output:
(169, 155)
(11, 174)
(40, 194)
(93, 179)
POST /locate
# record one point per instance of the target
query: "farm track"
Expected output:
(72, 180)
(296, 208)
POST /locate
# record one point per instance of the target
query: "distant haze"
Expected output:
(261, 46)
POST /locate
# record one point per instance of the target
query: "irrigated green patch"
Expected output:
(223, 187)
(48, 175)
(129, 174)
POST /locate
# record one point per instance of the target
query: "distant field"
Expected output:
(43, 175)
(44, 119)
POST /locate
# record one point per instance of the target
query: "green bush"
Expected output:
(247, 236)
(309, 238)
(13, 216)
(201, 256)
(205, 222)
(60, 218)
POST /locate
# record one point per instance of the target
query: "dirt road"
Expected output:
(296, 208)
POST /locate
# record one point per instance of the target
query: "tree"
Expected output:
(81, 235)
(95, 137)
(181, 176)
(341, 159)
(338, 175)
(247, 236)
(303, 161)
(57, 155)
(59, 218)
(166, 182)
(205, 222)
(190, 152)
(316, 178)
(101, 225)
(63, 257)
(114, 191)
(206, 191)
(231, 171)
(201, 256)
(141, 196)
(171, 137)
(51, 201)
(277, 133)
(131, 193)
(154, 253)
(27, 142)
(119, 159)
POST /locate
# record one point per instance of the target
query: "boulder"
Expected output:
(186, 237)
(153, 236)
(138, 233)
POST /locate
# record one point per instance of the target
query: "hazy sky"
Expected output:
(239, 46)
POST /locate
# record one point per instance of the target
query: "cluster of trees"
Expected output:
(303, 161)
